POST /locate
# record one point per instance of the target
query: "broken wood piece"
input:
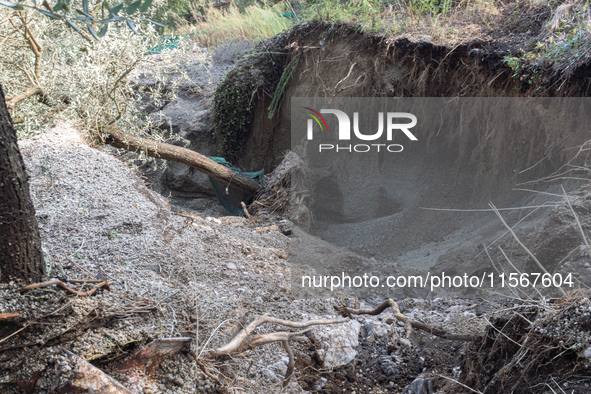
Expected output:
(263, 339)
(28, 385)
(244, 209)
(61, 284)
(88, 378)
(290, 364)
(235, 322)
(5, 316)
(149, 358)
(410, 323)
(83, 280)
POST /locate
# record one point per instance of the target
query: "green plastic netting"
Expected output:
(229, 197)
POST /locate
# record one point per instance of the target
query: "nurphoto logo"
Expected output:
(391, 119)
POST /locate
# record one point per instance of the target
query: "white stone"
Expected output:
(456, 309)
(319, 384)
(404, 342)
(270, 375)
(337, 342)
(375, 328)
(295, 388)
(586, 353)
(421, 385)
(280, 367)
(214, 220)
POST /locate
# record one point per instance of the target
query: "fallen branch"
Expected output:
(264, 339)
(160, 150)
(65, 287)
(410, 323)
(83, 280)
(32, 91)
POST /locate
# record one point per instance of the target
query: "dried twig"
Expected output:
(461, 384)
(65, 287)
(4, 316)
(83, 280)
(521, 243)
(244, 209)
(205, 370)
(578, 222)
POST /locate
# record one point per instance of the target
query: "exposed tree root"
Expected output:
(65, 287)
(243, 341)
(410, 323)
(285, 191)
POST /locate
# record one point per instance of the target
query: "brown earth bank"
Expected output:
(326, 59)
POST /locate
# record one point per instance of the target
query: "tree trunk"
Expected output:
(161, 150)
(21, 257)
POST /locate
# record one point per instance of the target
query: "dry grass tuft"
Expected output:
(216, 26)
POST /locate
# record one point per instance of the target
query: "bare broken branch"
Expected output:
(4, 316)
(32, 91)
(264, 339)
(290, 364)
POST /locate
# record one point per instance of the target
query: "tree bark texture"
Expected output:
(21, 256)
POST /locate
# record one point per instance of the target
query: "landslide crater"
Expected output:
(461, 170)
